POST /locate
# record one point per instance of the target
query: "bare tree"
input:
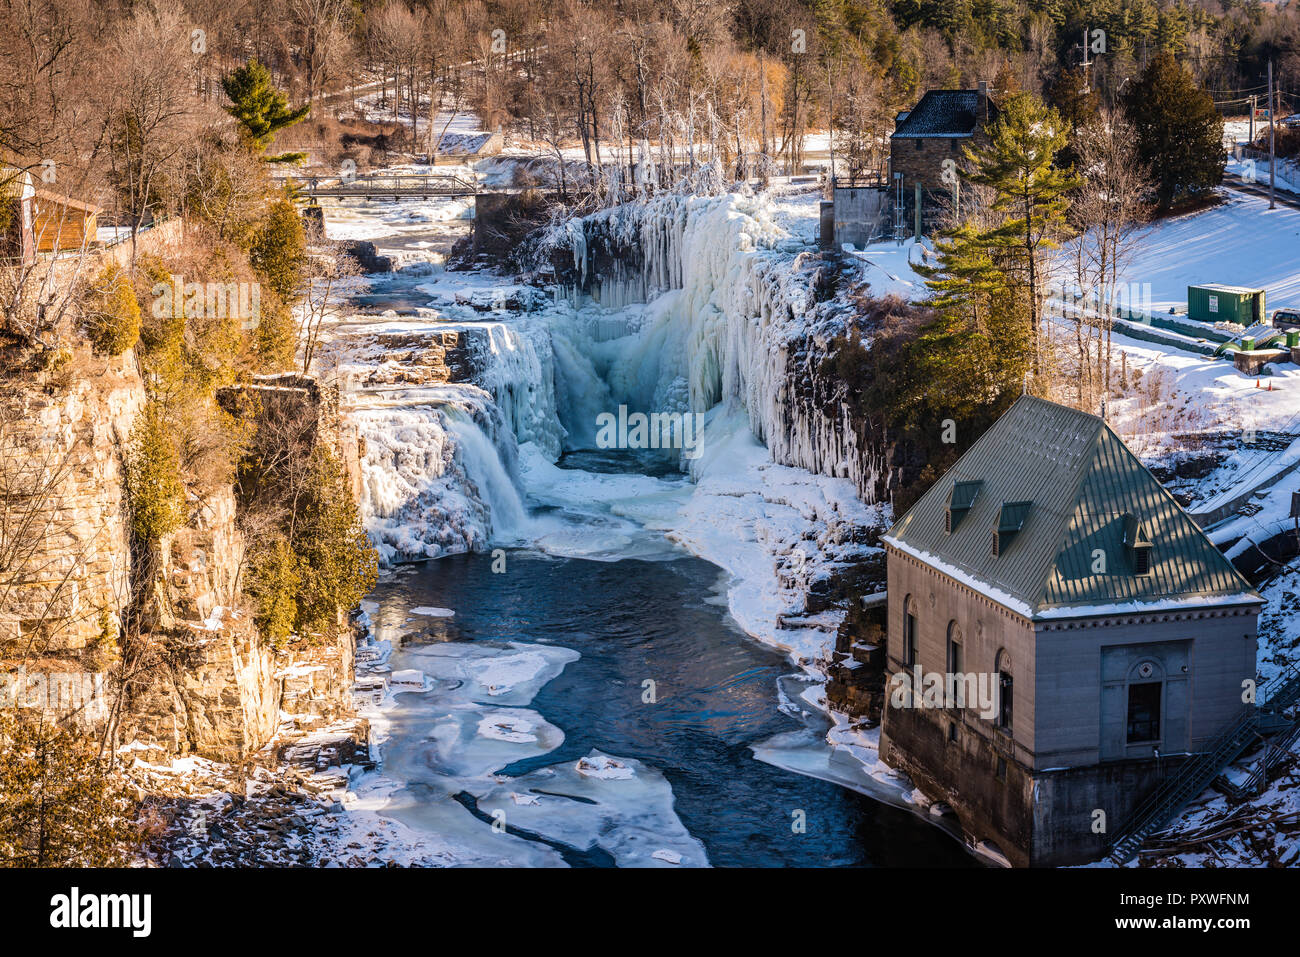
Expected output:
(324, 33)
(1109, 214)
(328, 270)
(150, 111)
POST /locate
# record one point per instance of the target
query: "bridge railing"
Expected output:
(399, 183)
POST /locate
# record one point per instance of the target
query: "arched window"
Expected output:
(954, 659)
(909, 632)
(1005, 689)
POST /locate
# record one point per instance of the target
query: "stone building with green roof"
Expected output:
(1049, 566)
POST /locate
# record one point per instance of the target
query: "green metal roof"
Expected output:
(1078, 494)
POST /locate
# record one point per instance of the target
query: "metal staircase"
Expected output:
(1275, 752)
(1197, 774)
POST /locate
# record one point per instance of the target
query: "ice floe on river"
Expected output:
(620, 805)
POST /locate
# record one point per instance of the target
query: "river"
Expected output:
(606, 712)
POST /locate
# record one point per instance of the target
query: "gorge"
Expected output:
(562, 586)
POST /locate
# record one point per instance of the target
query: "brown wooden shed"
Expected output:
(63, 224)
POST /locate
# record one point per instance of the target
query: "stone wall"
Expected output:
(309, 409)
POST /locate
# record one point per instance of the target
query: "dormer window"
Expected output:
(1011, 519)
(960, 501)
(1138, 544)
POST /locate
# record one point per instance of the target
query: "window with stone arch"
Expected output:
(1006, 689)
(955, 648)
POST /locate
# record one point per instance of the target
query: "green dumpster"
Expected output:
(1214, 302)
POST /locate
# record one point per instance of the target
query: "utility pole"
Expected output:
(1272, 162)
(1087, 87)
(1252, 120)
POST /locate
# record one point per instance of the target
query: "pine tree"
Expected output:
(60, 806)
(260, 108)
(274, 580)
(337, 561)
(153, 477)
(1179, 132)
(975, 356)
(1018, 164)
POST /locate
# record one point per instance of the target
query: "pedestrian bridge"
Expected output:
(389, 186)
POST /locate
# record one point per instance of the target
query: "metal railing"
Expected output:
(392, 185)
(1196, 775)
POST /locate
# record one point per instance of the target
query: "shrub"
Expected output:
(153, 480)
(60, 806)
(274, 579)
(280, 251)
(112, 314)
(339, 565)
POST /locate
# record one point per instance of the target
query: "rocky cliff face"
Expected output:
(204, 682)
(66, 555)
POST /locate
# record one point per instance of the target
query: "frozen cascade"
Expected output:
(496, 487)
(439, 473)
(730, 313)
(516, 366)
(715, 307)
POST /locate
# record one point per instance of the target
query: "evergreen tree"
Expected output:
(276, 338)
(274, 580)
(260, 108)
(60, 806)
(337, 561)
(1018, 165)
(1179, 131)
(975, 356)
(280, 251)
(153, 477)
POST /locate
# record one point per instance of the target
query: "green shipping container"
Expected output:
(1213, 302)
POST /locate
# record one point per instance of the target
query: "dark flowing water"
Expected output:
(716, 692)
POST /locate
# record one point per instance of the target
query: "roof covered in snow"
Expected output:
(946, 113)
(1078, 495)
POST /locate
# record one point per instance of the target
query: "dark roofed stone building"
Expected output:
(933, 131)
(1052, 565)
